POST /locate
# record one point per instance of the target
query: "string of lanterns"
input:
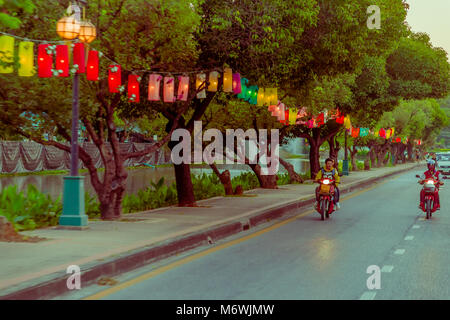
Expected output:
(60, 54)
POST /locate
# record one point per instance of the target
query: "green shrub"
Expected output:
(247, 180)
(31, 210)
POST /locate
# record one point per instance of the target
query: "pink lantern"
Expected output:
(183, 88)
(154, 85)
(169, 87)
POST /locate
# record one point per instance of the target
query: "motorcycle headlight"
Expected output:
(430, 182)
(326, 181)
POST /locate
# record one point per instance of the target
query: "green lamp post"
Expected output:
(73, 214)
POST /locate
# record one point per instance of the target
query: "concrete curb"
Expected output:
(55, 284)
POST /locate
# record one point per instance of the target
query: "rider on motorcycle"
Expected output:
(330, 172)
(431, 173)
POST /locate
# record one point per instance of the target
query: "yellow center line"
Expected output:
(195, 256)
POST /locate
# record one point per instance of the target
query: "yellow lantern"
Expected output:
(201, 82)
(271, 96)
(228, 80)
(26, 59)
(6, 53)
(68, 28)
(213, 81)
(261, 99)
(88, 33)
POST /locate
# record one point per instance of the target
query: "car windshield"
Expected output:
(443, 158)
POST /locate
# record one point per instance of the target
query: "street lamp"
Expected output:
(73, 215)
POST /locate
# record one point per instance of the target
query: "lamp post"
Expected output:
(73, 215)
(345, 162)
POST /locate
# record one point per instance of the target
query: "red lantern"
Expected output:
(92, 66)
(45, 62)
(382, 133)
(133, 88)
(79, 58)
(62, 60)
(355, 132)
(114, 78)
(320, 119)
(340, 119)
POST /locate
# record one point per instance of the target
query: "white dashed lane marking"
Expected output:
(400, 251)
(416, 226)
(409, 238)
(387, 268)
(368, 295)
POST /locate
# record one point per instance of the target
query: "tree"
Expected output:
(12, 10)
(136, 34)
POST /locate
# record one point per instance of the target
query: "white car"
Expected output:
(443, 163)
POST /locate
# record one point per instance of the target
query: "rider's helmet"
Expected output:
(431, 164)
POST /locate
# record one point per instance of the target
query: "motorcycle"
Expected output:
(429, 186)
(326, 198)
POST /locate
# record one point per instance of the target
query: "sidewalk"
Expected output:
(38, 270)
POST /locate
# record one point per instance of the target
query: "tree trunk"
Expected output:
(353, 158)
(294, 177)
(185, 189)
(265, 181)
(314, 158)
(225, 179)
(373, 156)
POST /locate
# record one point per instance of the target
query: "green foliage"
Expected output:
(31, 210)
(155, 196)
(12, 10)
(247, 180)
(206, 186)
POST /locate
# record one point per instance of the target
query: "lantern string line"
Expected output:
(219, 69)
(35, 40)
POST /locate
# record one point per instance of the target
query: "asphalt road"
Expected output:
(305, 258)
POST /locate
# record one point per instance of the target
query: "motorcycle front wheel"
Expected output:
(428, 207)
(322, 209)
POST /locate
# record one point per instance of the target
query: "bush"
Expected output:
(31, 210)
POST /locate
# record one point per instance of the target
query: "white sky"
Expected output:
(432, 17)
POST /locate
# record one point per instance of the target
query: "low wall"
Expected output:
(29, 156)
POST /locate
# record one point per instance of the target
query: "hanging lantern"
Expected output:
(228, 80)
(281, 112)
(133, 88)
(62, 60)
(183, 88)
(347, 122)
(286, 117)
(340, 119)
(243, 94)
(271, 96)
(213, 81)
(253, 96)
(169, 89)
(114, 78)
(6, 53)
(88, 33)
(45, 62)
(68, 28)
(26, 59)
(260, 99)
(201, 82)
(272, 109)
(92, 66)
(320, 120)
(292, 115)
(237, 83)
(79, 58)
(154, 87)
